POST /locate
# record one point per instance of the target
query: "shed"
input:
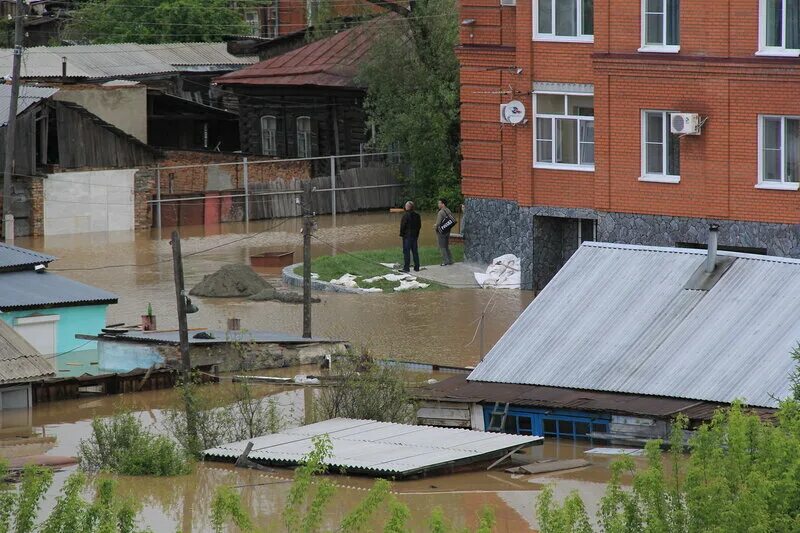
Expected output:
(20, 364)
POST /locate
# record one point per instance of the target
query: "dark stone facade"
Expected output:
(544, 237)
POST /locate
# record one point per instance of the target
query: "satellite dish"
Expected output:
(514, 112)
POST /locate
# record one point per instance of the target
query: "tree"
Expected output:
(153, 21)
(412, 83)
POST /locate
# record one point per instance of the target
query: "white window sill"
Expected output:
(660, 178)
(660, 49)
(778, 52)
(564, 38)
(556, 166)
(778, 185)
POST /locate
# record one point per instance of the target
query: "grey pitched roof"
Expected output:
(618, 318)
(28, 96)
(31, 290)
(19, 361)
(14, 257)
(99, 61)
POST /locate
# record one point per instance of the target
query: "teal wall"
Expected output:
(87, 319)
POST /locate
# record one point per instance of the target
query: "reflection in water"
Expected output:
(423, 326)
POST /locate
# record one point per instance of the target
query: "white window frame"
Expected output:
(579, 38)
(306, 135)
(763, 49)
(274, 130)
(255, 25)
(578, 118)
(774, 185)
(657, 48)
(646, 176)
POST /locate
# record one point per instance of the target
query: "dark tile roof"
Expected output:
(31, 290)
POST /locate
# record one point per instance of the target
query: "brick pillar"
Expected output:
(37, 207)
(144, 189)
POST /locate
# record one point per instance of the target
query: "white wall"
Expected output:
(84, 202)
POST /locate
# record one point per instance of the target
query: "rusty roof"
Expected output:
(329, 62)
(458, 389)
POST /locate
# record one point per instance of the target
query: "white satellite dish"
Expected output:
(514, 112)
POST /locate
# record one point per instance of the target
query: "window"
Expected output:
(660, 26)
(779, 25)
(251, 17)
(661, 150)
(779, 152)
(303, 136)
(565, 131)
(269, 133)
(564, 20)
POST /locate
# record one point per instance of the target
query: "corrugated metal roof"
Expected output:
(330, 62)
(30, 290)
(119, 60)
(617, 318)
(378, 448)
(28, 96)
(19, 361)
(16, 257)
(220, 337)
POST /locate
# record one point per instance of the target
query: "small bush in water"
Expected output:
(122, 445)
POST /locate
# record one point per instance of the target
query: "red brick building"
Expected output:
(595, 158)
(283, 17)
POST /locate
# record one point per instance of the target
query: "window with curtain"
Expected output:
(565, 130)
(661, 150)
(564, 19)
(661, 23)
(780, 24)
(269, 133)
(780, 149)
(303, 136)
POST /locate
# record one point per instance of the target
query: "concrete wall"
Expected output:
(84, 202)
(123, 107)
(87, 319)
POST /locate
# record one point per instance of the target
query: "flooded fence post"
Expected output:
(333, 188)
(158, 200)
(246, 192)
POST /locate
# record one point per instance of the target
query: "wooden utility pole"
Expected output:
(183, 332)
(11, 129)
(308, 227)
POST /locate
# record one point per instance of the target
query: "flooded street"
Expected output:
(436, 327)
(432, 327)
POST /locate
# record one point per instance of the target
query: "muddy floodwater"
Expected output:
(437, 327)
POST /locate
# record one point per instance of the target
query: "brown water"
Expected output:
(437, 327)
(423, 326)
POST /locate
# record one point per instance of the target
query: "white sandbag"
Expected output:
(372, 289)
(399, 277)
(314, 275)
(410, 286)
(373, 280)
(504, 273)
(390, 266)
(347, 280)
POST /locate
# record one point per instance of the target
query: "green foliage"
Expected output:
(366, 390)
(121, 444)
(741, 475)
(486, 521)
(228, 506)
(357, 519)
(399, 515)
(412, 82)
(153, 21)
(313, 465)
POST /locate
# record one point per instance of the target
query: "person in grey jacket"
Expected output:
(444, 236)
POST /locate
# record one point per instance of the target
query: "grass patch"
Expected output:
(366, 264)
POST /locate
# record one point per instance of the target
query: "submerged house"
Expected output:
(626, 337)
(48, 310)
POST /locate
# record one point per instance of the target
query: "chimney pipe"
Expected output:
(64, 69)
(711, 258)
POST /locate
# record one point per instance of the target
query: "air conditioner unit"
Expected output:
(508, 3)
(685, 123)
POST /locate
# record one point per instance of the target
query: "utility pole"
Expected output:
(308, 226)
(183, 332)
(11, 129)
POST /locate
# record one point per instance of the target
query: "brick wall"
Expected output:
(144, 187)
(716, 74)
(37, 207)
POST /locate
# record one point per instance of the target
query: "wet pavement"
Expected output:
(457, 275)
(437, 327)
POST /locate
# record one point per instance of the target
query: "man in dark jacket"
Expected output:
(409, 231)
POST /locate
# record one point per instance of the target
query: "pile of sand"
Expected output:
(231, 281)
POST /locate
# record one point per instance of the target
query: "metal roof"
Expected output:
(220, 337)
(618, 318)
(32, 290)
(378, 448)
(118, 60)
(14, 257)
(28, 96)
(19, 361)
(330, 62)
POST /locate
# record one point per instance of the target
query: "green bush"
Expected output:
(121, 445)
